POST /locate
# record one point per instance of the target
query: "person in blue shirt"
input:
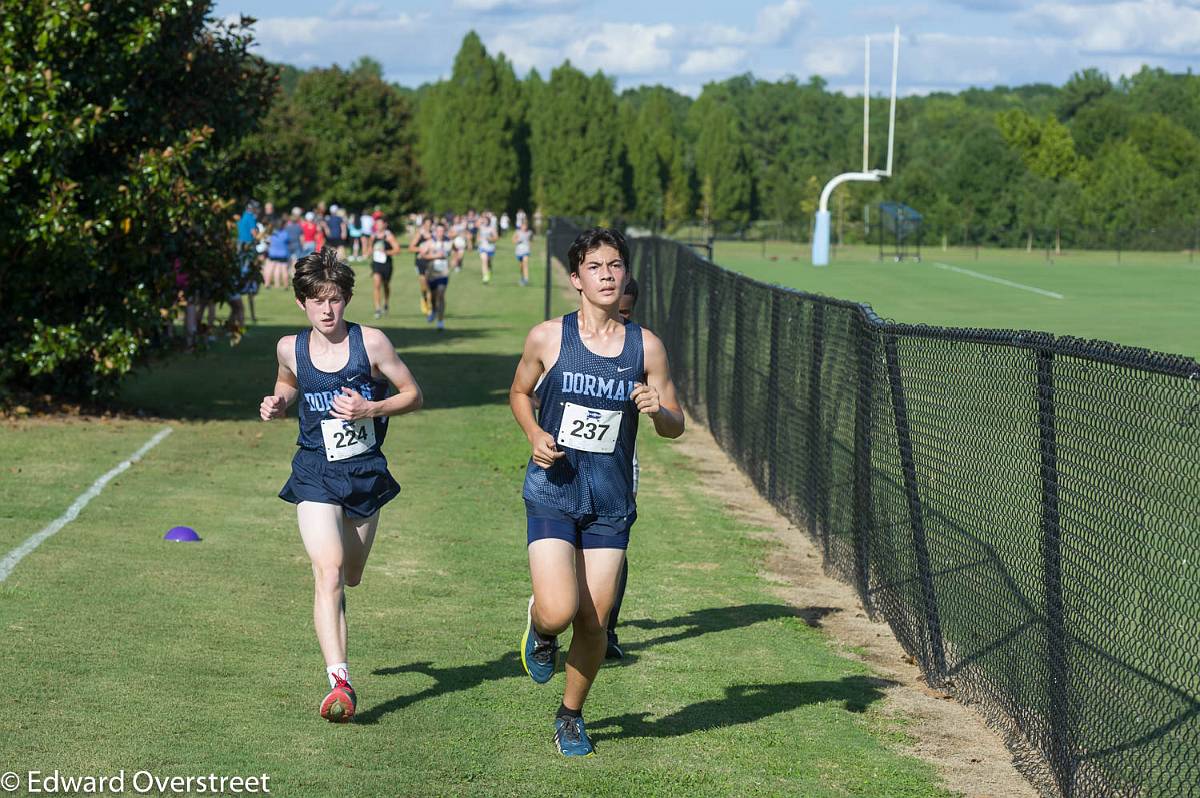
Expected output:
(294, 232)
(279, 251)
(247, 224)
(591, 375)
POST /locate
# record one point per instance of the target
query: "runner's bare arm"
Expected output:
(656, 397)
(395, 248)
(286, 387)
(521, 394)
(408, 397)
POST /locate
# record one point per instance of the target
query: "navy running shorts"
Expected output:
(587, 531)
(384, 270)
(360, 485)
(434, 282)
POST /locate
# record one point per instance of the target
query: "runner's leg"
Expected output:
(321, 531)
(555, 588)
(597, 574)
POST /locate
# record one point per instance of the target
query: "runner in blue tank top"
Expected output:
(339, 373)
(598, 374)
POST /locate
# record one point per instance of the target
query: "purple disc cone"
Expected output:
(182, 534)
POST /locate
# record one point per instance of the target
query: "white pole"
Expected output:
(866, 100)
(892, 113)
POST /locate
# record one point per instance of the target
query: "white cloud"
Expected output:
(515, 6)
(775, 23)
(623, 48)
(957, 43)
(941, 62)
(278, 37)
(719, 59)
(616, 48)
(1159, 27)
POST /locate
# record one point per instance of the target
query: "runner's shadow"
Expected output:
(445, 680)
(742, 704)
(719, 619)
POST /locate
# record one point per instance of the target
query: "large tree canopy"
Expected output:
(119, 132)
(340, 136)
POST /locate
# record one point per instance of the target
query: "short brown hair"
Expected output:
(317, 271)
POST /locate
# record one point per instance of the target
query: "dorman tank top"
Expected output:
(317, 389)
(588, 482)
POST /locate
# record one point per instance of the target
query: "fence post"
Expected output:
(864, 515)
(1061, 758)
(549, 238)
(694, 333)
(773, 404)
(915, 515)
(815, 445)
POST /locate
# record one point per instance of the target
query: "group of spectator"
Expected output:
(269, 242)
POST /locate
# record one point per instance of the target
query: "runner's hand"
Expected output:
(350, 406)
(272, 407)
(545, 453)
(646, 398)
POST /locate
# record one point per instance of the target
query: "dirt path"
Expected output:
(970, 757)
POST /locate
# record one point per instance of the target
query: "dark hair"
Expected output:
(631, 289)
(590, 240)
(317, 271)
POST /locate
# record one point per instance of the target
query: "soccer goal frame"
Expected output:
(820, 241)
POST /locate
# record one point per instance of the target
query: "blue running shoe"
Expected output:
(539, 655)
(571, 738)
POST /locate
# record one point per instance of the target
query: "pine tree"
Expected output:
(469, 132)
(722, 163)
(575, 145)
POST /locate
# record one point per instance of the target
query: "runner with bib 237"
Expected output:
(591, 375)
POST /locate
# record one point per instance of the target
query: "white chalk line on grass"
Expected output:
(16, 555)
(991, 279)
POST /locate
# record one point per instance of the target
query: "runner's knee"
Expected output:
(327, 577)
(587, 624)
(554, 620)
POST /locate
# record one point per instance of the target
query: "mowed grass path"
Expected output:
(122, 651)
(1147, 299)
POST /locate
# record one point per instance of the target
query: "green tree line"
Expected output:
(992, 165)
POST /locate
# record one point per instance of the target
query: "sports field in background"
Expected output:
(1146, 299)
(125, 652)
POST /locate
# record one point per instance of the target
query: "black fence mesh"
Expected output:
(1022, 509)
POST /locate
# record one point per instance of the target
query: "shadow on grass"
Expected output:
(446, 680)
(719, 619)
(742, 704)
(228, 383)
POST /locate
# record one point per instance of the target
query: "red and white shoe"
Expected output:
(339, 705)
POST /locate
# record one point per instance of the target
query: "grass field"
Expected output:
(1143, 299)
(125, 652)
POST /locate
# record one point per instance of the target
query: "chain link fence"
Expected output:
(1022, 509)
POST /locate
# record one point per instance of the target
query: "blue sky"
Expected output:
(946, 44)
